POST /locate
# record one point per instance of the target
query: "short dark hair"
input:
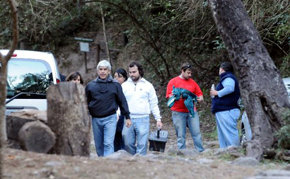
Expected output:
(74, 76)
(139, 66)
(186, 66)
(123, 72)
(227, 66)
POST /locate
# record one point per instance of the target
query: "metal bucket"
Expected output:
(157, 140)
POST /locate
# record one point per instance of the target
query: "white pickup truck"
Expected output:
(29, 75)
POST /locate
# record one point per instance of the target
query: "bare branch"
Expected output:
(13, 6)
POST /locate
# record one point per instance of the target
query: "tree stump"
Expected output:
(67, 116)
(36, 137)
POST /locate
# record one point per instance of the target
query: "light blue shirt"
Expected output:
(229, 87)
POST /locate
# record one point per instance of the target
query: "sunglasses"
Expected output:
(186, 67)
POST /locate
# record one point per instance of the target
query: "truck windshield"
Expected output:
(27, 75)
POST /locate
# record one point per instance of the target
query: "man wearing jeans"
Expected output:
(104, 95)
(142, 100)
(225, 106)
(182, 91)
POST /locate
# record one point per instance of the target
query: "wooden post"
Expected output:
(98, 54)
(68, 118)
(105, 34)
(86, 66)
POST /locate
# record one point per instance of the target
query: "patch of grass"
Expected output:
(274, 162)
(227, 157)
(207, 123)
(210, 135)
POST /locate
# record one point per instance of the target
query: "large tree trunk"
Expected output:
(68, 118)
(262, 89)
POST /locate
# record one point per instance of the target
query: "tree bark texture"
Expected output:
(3, 93)
(68, 118)
(15, 122)
(262, 89)
(36, 137)
(3, 75)
(105, 34)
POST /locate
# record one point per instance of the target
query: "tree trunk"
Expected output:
(105, 34)
(36, 137)
(3, 78)
(68, 118)
(262, 89)
(3, 75)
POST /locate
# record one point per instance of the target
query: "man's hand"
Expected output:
(128, 122)
(159, 124)
(199, 98)
(213, 92)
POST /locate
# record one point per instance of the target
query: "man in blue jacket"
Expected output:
(104, 96)
(225, 106)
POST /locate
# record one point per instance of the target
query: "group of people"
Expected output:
(134, 97)
(183, 93)
(120, 107)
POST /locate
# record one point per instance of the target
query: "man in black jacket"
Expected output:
(104, 96)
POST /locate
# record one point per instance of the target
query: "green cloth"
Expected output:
(189, 99)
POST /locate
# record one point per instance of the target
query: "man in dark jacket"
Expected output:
(225, 106)
(104, 96)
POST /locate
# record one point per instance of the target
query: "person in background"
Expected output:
(225, 106)
(62, 77)
(104, 96)
(121, 76)
(183, 91)
(142, 100)
(75, 77)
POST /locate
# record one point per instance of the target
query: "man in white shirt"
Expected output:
(142, 100)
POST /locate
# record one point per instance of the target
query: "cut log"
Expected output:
(67, 116)
(15, 120)
(36, 137)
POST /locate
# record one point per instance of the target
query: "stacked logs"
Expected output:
(63, 129)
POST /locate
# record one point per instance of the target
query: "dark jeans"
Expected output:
(118, 142)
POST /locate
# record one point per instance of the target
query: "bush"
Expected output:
(283, 135)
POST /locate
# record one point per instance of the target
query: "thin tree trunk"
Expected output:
(3, 76)
(262, 88)
(105, 34)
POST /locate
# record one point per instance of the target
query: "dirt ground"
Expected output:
(27, 165)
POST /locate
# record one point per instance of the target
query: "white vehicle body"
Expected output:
(29, 74)
(286, 82)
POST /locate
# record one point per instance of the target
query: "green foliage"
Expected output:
(283, 135)
(171, 32)
(285, 66)
(227, 157)
(168, 32)
(46, 24)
